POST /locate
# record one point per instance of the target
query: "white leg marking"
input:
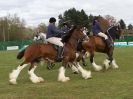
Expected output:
(85, 74)
(74, 69)
(61, 75)
(87, 54)
(106, 63)
(96, 67)
(14, 74)
(77, 55)
(114, 65)
(33, 77)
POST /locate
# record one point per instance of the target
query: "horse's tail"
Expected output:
(20, 54)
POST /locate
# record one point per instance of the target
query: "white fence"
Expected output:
(123, 43)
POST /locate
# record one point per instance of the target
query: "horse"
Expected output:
(33, 53)
(97, 44)
(40, 38)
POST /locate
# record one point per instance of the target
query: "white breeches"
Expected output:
(103, 35)
(55, 40)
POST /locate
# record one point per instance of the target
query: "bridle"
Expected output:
(108, 32)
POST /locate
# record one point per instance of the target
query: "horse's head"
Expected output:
(79, 34)
(75, 33)
(115, 31)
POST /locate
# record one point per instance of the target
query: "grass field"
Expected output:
(111, 84)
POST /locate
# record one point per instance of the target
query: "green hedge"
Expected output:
(125, 39)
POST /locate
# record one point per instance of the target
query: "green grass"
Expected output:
(111, 84)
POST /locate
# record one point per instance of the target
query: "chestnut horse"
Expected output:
(96, 43)
(33, 53)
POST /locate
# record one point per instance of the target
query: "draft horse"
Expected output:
(98, 44)
(35, 52)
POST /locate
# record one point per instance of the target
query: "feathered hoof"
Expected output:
(115, 67)
(41, 79)
(64, 79)
(86, 74)
(12, 81)
(98, 68)
(36, 79)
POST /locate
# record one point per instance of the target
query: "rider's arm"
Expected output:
(96, 29)
(57, 31)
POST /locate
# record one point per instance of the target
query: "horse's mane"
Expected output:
(68, 35)
(104, 24)
(112, 32)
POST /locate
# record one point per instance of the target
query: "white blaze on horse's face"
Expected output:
(41, 37)
(85, 33)
(85, 30)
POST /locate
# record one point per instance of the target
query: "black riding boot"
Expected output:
(60, 52)
(109, 44)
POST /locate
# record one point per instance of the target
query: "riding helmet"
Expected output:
(52, 19)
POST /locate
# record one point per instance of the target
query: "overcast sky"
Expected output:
(37, 11)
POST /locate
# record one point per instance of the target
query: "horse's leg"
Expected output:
(83, 61)
(110, 61)
(95, 66)
(33, 77)
(106, 63)
(15, 73)
(61, 75)
(74, 69)
(114, 65)
(85, 74)
(85, 54)
(50, 65)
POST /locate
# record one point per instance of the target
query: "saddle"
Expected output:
(60, 52)
(108, 42)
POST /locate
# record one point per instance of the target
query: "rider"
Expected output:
(96, 29)
(36, 37)
(66, 26)
(53, 36)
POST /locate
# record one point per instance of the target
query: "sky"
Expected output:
(35, 12)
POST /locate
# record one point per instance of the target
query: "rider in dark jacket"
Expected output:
(53, 36)
(96, 29)
(52, 30)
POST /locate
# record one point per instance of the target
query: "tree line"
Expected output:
(14, 28)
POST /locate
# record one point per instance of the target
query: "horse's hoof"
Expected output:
(99, 68)
(64, 79)
(87, 75)
(107, 67)
(115, 67)
(13, 82)
(41, 79)
(67, 78)
(35, 80)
